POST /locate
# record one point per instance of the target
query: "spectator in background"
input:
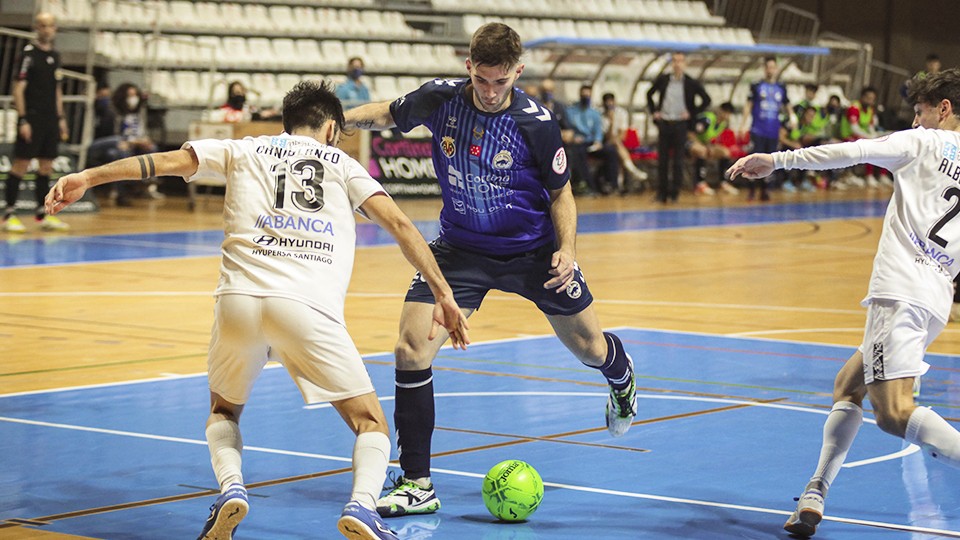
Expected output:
(616, 121)
(931, 66)
(238, 109)
(809, 94)
(41, 125)
(130, 103)
(353, 92)
(588, 140)
(767, 101)
(860, 121)
(712, 138)
(674, 109)
(548, 97)
(235, 109)
(107, 146)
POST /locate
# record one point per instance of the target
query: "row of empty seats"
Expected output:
(231, 17)
(676, 11)
(533, 28)
(277, 54)
(208, 89)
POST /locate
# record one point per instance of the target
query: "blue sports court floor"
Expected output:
(728, 433)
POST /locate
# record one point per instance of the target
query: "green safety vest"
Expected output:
(713, 129)
(866, 118)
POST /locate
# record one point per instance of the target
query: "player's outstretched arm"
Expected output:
(446, 313)
(70, 188)
(752, 166)
(370, 116)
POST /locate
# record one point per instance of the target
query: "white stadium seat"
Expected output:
(334, 56)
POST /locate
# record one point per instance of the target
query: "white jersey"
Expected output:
(288, 217)
(916, 261)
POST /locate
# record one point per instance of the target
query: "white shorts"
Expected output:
(895, 339)
(316, 351)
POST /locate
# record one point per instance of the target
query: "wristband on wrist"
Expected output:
(21, 121)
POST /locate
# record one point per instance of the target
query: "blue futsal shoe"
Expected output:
(225, 514)
(359, 523)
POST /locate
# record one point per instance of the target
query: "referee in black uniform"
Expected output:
(39, 101)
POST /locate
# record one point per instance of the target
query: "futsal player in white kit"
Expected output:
(909, 296)
(287, 256)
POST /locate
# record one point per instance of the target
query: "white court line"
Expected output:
(585, 489)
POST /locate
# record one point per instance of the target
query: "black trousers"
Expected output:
(671, 146)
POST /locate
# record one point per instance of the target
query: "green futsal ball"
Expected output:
(512, 490)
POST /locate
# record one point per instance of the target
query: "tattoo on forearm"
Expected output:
(147, 167)
(365, 124)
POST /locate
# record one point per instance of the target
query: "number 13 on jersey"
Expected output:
(308, 173)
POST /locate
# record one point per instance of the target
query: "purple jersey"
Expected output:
(494, 168)
(768, 99)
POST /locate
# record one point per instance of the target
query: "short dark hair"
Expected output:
(933, 56)
(812, 87)
(769, 59)
(726, 106)
(586, 86)
(235, 83)
(609, 95)
(868, 89)
(935, 88)
(310, 104)
(357, 58)
(495, 44)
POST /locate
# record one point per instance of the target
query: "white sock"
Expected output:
(839, 430)
(225, 442)
(936, 436)
(371, 453)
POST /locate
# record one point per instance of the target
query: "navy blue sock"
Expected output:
(615, 368)
(12, 190)
(414, 418)
(41, 185)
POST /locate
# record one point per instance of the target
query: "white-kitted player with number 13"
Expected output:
(287, 256)
(910, 292)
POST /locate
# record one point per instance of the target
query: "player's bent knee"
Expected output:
(410, 357)
(893, 420)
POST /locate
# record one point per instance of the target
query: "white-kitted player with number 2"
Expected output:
(910, 292)
(287, 256)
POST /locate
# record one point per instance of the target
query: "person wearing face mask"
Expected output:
(130, 104)
(588, 140)
(107, 146)
(236, 109)
(353, 92)
(672, 102)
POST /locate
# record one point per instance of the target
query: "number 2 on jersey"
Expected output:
(310, 174)
(950, 194)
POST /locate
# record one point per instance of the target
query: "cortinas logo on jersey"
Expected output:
(560, 161)
(448, 146)
(503, 160)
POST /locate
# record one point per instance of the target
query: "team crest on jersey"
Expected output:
(560, 161)
(503, 160)
(452, 122)
(573, 290)
(950, 151)
(448, 146)
(475, 150)
(477, 132)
